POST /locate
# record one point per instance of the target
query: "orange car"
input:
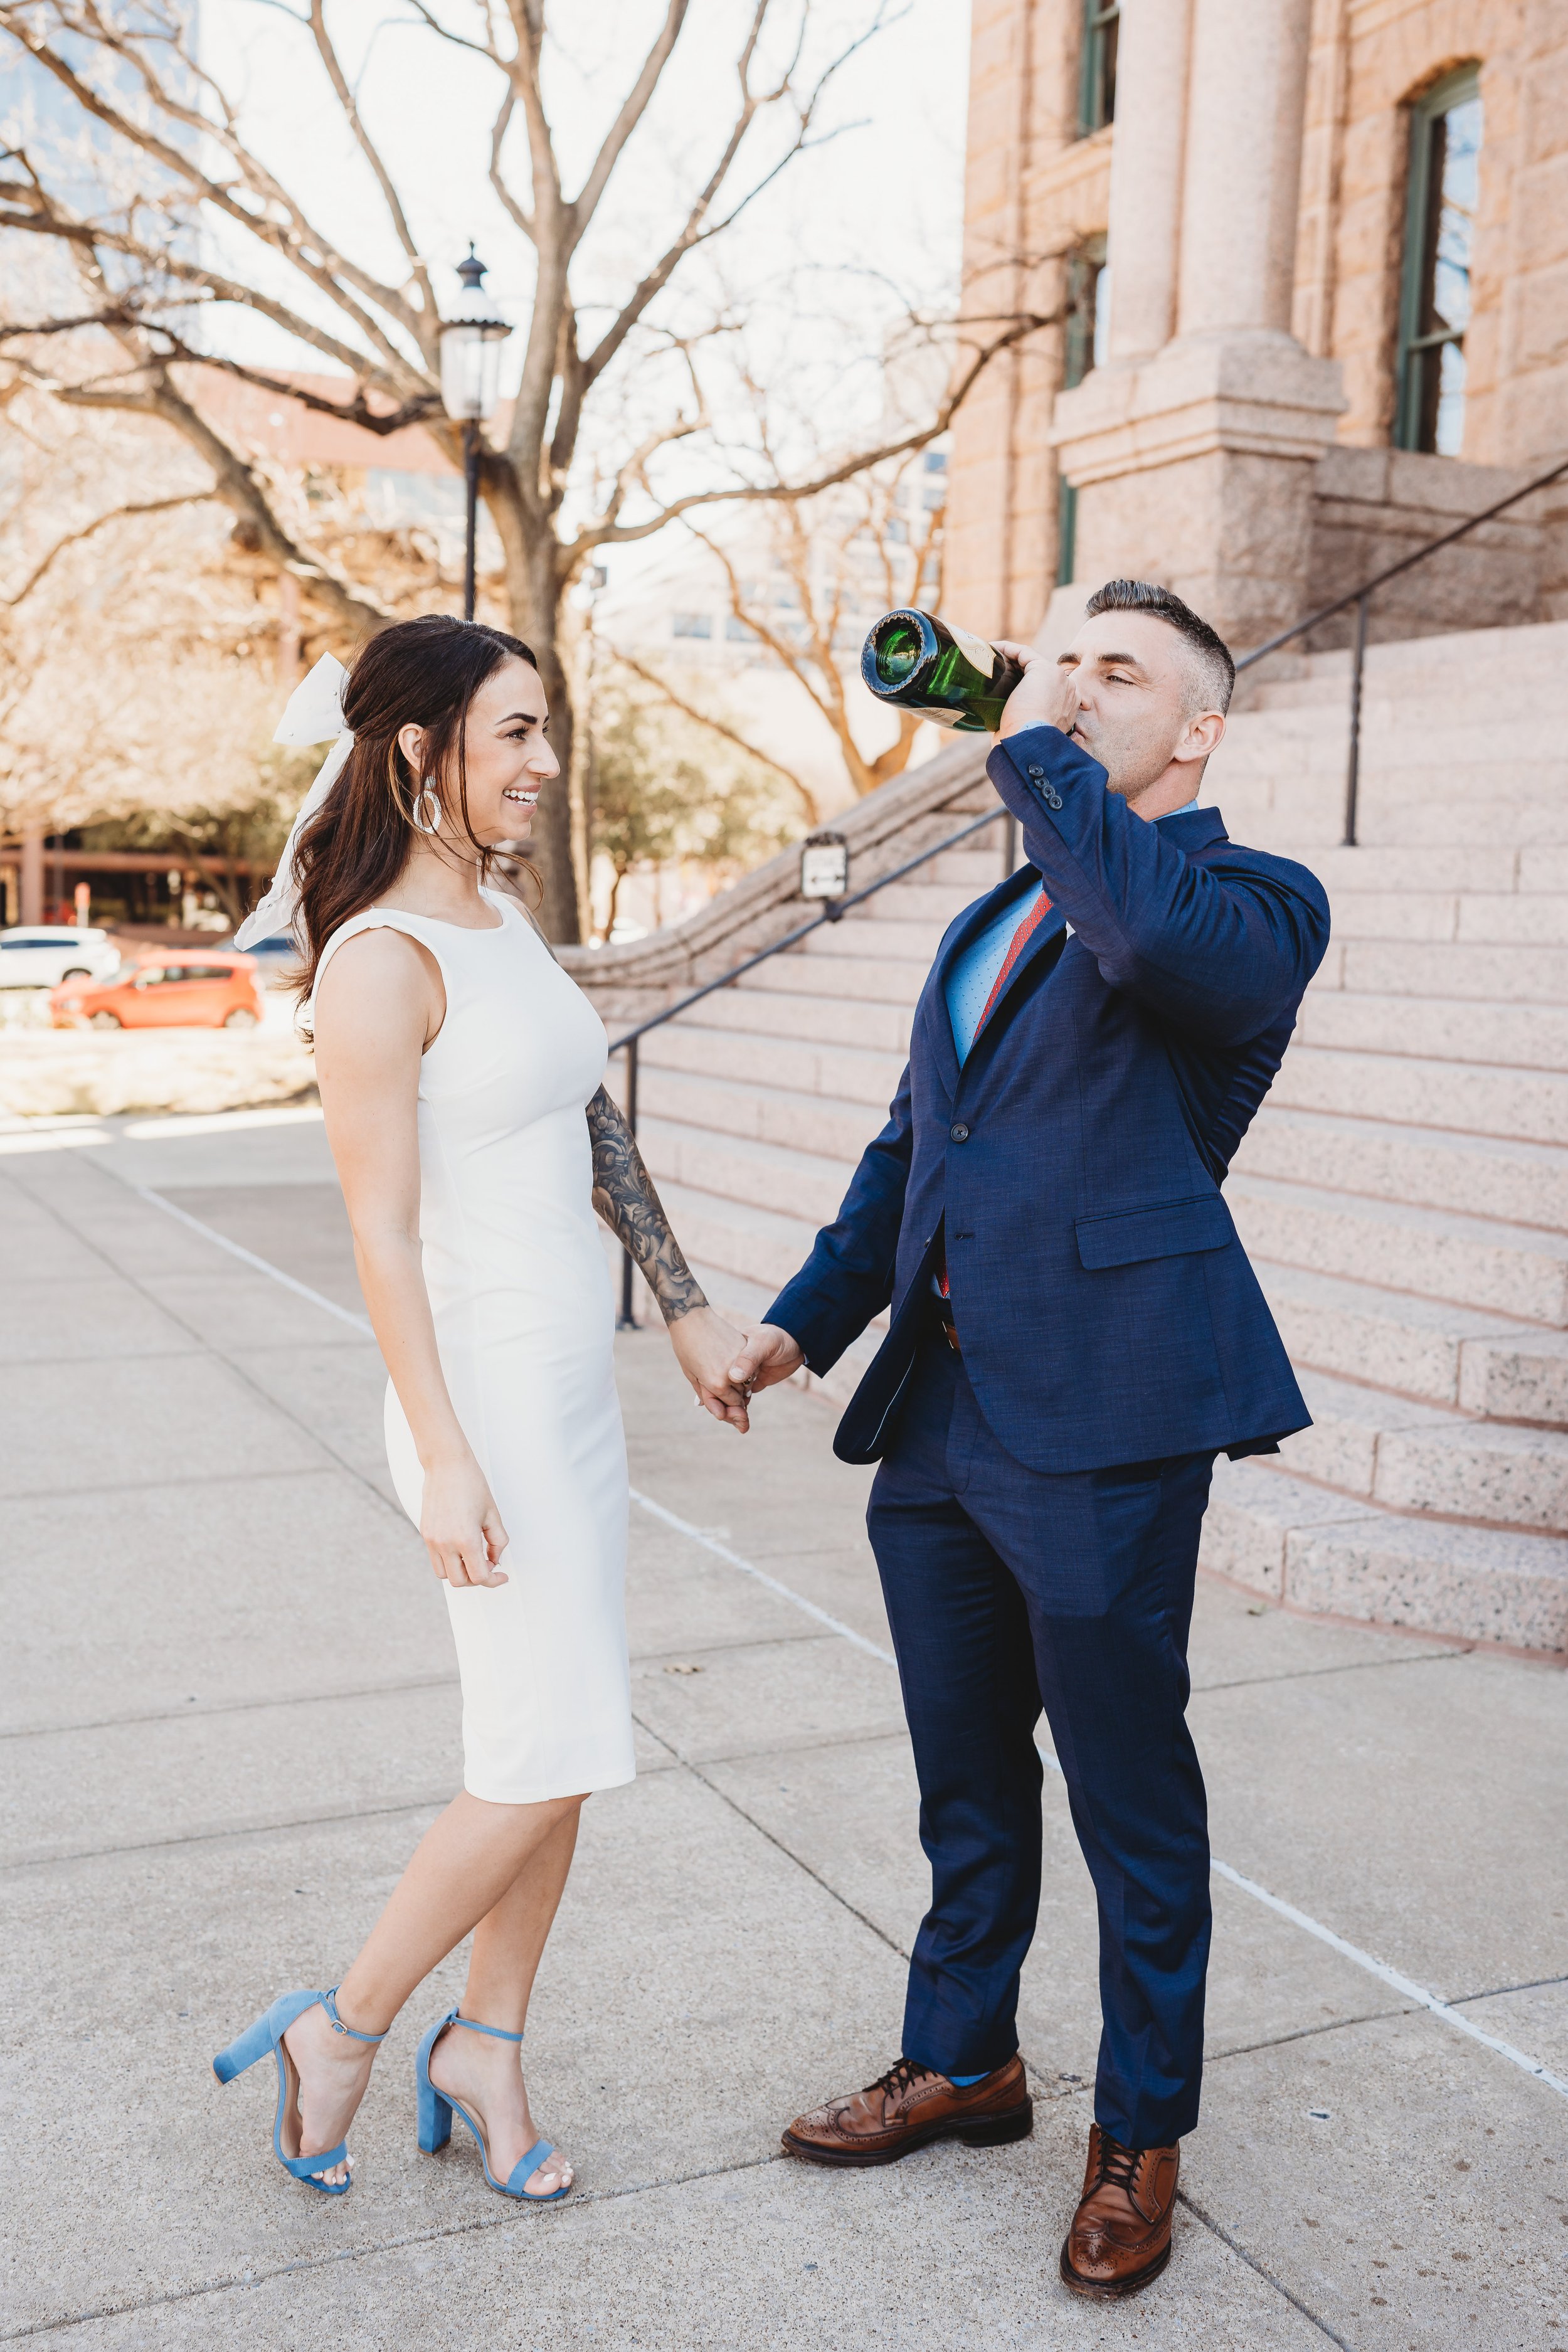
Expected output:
(164, 988)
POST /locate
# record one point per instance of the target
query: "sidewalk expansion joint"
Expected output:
(775, 1842)
(1350, 1667)
(194, 1711)
(1236, 2248)
(216, 1834)
(241, 2281)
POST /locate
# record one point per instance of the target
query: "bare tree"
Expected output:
(196, 220)
(873, 542)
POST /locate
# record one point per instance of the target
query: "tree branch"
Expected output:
(115, 514)
(717, 727)
(346, 100)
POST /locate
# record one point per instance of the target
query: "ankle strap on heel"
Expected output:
(496, 2032)
(330, 2003)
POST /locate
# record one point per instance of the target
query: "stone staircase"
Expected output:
(1403, 1191)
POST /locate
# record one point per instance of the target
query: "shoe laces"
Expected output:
(1117, 2164)
(901, 2076)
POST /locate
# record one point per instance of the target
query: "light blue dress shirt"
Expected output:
(973, 975)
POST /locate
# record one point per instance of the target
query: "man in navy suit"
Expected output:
(1076, 1333)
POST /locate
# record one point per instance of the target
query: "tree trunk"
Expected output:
(534, 592)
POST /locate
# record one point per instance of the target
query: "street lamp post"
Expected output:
(470, 372)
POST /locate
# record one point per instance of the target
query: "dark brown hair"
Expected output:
(1217, 671)
(422, 673)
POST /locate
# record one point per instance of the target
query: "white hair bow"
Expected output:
(315, 710)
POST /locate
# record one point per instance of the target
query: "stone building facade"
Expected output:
(1306, 263)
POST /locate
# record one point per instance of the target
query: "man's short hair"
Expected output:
(1215, 670)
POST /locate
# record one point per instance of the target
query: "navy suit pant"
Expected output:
(1008, 1590)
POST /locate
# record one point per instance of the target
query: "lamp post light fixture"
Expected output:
(470, 372)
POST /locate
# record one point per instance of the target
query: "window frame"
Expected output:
(1081, 333)
(1418, 258)
(1101, 18)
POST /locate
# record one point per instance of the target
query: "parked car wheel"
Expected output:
(107, 1021)
(239, 1019)
(75, 972)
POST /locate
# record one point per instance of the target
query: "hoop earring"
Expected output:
(425, 815)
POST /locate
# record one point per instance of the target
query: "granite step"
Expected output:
(1476, 1262)
(1430, 1168)
(1418, 1458)
(856, 938)
(768, 1014)
(821, 1125)
(1530, 1106)
(865, 979)
(801, 1185)
(1504, 975)
(736, 1238)
(847, 1073)
(1487, 918)
(1420, 1348)
(1333, 1555)
(1437, 1029)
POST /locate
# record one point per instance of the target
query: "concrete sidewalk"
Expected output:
(234, 1710)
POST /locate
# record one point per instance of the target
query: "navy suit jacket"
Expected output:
(1071, 1169)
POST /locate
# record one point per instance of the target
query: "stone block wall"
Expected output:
(1371, 508)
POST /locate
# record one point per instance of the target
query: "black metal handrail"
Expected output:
(1361, 599)
(833, 911)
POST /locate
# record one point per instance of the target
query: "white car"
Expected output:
(40, 955)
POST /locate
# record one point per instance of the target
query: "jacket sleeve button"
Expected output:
(1036, 773)
(958, 1131)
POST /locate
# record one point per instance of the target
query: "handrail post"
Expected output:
(627, 1321)
(1353, 767)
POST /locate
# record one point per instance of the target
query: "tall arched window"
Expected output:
(1440, 241)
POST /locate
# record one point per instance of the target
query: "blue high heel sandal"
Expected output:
(436, 2118)
(266, 2034)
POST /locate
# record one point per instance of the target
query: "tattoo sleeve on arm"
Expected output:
(625, 1197)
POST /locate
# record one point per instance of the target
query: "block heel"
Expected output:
(434, 2115)
(266, 2034)
(996, 2131)
(435, 2112)
(245, 2050)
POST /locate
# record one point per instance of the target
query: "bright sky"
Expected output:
(836, 248)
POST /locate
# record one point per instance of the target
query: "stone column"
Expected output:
(1146, 159)
(1246, 95)
(1194, 465)
(32, 877)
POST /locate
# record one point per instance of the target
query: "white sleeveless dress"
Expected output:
(519, 1287)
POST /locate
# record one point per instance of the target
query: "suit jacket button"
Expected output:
(958, 1131)
(1036, 773)
(1053, 798)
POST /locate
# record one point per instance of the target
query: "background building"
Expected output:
(1309, 261)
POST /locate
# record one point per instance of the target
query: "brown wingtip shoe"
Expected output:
(909, 2105)
(1121, 2234)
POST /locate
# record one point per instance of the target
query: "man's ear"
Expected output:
(1200, 736)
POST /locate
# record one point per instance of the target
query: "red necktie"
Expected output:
(1015, 946)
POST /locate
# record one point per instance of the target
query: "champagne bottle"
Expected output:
(922, 664)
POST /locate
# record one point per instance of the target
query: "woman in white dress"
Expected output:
(461, 1078)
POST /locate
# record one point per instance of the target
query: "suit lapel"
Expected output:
(938, 1027)
(1046, 940)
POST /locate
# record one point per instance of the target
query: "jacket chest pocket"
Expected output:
(1168, 1229)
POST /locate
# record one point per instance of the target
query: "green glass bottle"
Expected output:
(922, 664)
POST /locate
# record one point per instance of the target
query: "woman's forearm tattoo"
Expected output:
(624, 1196)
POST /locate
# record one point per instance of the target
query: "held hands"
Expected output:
(705, 1347)
(1044, 696)
(461, 1525)
(770, 1355)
